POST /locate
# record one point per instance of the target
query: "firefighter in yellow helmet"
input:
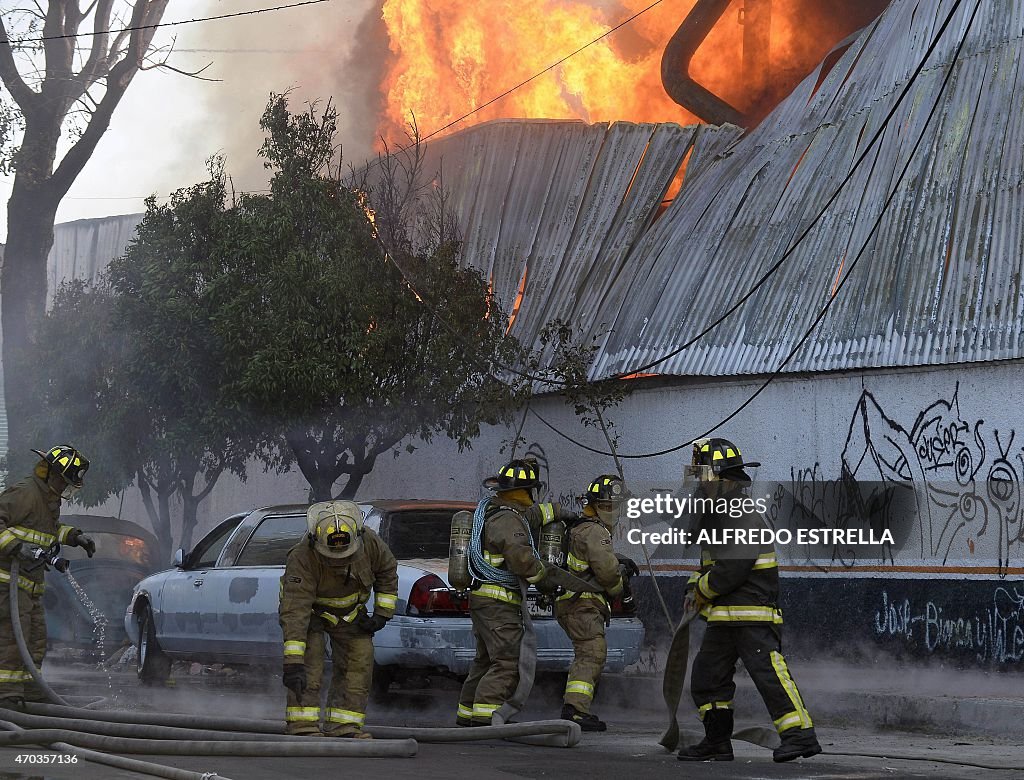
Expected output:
(30, 530)
(583, 616)
(510, 517)
(324, 590)
(736, 591)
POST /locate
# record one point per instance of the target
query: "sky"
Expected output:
(167, 124)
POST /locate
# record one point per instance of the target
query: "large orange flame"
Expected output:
(449, 57)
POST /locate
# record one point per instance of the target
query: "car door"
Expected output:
(239, 617)
(177, 605)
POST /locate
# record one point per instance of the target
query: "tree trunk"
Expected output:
(159, 514)
(354, 481)
(30, 215)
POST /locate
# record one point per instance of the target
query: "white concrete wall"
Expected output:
(953, 427)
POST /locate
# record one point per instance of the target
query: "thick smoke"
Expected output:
(330, 51)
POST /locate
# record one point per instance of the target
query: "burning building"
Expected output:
(867, 229)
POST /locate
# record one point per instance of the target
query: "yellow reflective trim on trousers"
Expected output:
(498, 593)
(494, 559)
(385, 600)
(345, 716)
(62, 534)
(577, 564)
(465, 712)
(744, 614)
(14, 675)
(41, 538)
(788, 721)
(767, 561)
(29, 586)
(786, 679)
(295, 648)
(547, 513)
(704, 586)
(581, 687)
(304, 714)
(713, 705)
(484, 710)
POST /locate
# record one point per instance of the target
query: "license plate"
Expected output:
(537, 611)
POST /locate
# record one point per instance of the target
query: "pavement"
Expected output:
(892, 722)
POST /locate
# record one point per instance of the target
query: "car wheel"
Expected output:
(383, 676)
(154, 668)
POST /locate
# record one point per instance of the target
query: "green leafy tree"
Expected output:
(334, 347)
(134, 372)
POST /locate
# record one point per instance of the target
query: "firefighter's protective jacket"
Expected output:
(334, 589)
(29, 512)
(741, 580)
(590, 555)
(506, 545)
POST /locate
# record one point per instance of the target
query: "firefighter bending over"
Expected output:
(31, 532)
(495, 609)
(737, 591)
(324, 589)
(583, 616)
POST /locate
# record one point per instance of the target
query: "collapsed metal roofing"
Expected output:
(573, 207)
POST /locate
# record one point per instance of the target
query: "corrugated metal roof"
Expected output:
(940, 281)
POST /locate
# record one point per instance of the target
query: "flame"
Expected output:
(450, 57)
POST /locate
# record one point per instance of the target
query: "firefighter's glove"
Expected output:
(546, 585)
(79, 539)
(32, 553)
(369, 624)
(295, 679)
(631, 569)
(695, 601)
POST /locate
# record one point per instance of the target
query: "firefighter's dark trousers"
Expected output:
(583, 620)
(498, 630)
(15, 681)
(352, 661)
(759, 646)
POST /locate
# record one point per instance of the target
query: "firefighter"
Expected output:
(583, 616)
(324, 589)
(495, 609)
(736, 590)
(31, 532)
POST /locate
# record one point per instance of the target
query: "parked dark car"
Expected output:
(125, 553)
(220, 603)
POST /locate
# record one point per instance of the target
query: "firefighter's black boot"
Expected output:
(587, 721)
(716, 745)
(797, 743)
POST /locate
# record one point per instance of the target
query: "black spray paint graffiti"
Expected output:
(965, 477)
(994, 634)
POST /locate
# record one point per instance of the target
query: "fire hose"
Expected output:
(85, 731)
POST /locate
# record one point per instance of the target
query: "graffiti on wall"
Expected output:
(993, 634)
(964, 477)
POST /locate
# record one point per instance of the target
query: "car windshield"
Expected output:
(419, 533)
(119, 547)
(270, 542)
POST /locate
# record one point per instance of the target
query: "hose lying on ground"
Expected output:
(554, 733)
(119, 762)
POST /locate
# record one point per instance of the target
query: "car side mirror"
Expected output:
(179, 559)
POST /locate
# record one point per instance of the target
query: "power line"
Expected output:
(835, 292)
(21, 43)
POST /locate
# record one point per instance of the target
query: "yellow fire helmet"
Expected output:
(335, 527)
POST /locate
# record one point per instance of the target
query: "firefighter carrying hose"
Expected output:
(736, 590)
(31, 532)
(583, 616)
(495, 609)
(324, 589)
